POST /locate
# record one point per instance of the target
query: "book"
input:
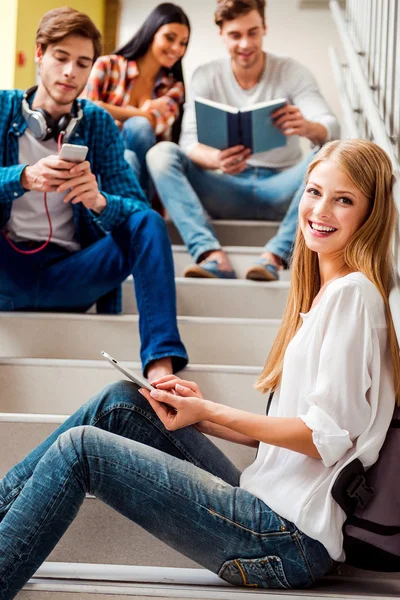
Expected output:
(222, 126)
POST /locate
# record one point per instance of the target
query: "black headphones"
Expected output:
(43, 126)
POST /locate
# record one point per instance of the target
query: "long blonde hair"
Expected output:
(368, 251)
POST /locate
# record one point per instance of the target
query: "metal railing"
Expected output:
(369, 74)
(368, 79)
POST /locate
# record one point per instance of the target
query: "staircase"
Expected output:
(50, 364)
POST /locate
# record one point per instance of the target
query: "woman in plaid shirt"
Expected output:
(141, 85)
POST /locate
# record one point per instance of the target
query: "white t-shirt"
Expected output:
(28, 220)
(283, 77)
(337, 377)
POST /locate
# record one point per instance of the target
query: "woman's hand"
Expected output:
(169, 383)
(176, 411)
(181, 387)
(161, 104)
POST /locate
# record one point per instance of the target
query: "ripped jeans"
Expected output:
(177, 485)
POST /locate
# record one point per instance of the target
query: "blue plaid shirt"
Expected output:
(116, 179)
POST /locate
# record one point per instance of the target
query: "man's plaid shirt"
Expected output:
(116, 179)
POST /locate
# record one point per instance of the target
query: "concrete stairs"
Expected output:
(50, 364)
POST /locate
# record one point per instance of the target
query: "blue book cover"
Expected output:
(222, 126)
(217, 124)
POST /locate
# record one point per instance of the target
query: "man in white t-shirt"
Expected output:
(195, 181)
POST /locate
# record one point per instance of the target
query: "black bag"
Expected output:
(371, 500)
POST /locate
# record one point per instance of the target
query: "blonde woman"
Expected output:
(335, 371)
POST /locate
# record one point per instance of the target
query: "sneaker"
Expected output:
(263, 270)
(209, 269)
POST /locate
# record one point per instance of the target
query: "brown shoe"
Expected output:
(209, 269)
(263, 270)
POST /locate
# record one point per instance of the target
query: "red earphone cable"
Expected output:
(46, 243)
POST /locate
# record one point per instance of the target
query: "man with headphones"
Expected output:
(71, 232)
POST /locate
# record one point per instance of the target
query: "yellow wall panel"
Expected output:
(8, 30)
(29, 15)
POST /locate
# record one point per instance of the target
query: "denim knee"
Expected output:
(147, 222)
(119, 393)
(161, 157)
(139, 130)
(148, 219)
(132, 160)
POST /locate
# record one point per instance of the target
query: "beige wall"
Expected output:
(29, 15)
(302, 33)
(8, 36)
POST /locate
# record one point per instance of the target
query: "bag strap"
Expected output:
(271, 395)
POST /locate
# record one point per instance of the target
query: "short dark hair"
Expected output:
(58, 23)
(227, 10)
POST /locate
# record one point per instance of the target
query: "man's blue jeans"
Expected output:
(57, 280)
(139, 137)
(176, 485)
(192, 194)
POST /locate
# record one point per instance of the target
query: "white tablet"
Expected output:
(138, 379)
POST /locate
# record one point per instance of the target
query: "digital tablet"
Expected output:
(138, 379)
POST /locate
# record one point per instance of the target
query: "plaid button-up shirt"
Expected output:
(112, 80)
(116, 180)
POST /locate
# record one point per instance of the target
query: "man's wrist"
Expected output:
(101, 203)
(318, 134)
(25, 179)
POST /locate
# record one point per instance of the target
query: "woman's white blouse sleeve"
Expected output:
(338, 407)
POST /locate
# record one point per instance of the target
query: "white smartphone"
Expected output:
(73, 153)
(140, 381)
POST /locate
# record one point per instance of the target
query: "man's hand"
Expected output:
(83, 187)
(47, 174)
(290, 120)
(233, 160)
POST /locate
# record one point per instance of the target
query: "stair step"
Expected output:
(219, 298)
(235, 233)
(241, 258)
(61, 386)
(79, 336)
(329, 587)
(117, 541)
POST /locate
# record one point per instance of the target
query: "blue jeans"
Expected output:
(192, 194)
(176, 485)
(57, 280)
(139, 137)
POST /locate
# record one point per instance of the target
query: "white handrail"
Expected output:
(371, 110)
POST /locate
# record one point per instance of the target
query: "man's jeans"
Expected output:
(139, 137)
(57, 280)
(192, 194)
(176, 485)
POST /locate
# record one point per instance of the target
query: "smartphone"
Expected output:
(140, 381)
(73, 153)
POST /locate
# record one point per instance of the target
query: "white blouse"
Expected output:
(337, 376)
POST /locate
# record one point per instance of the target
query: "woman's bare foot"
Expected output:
(158, 368)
